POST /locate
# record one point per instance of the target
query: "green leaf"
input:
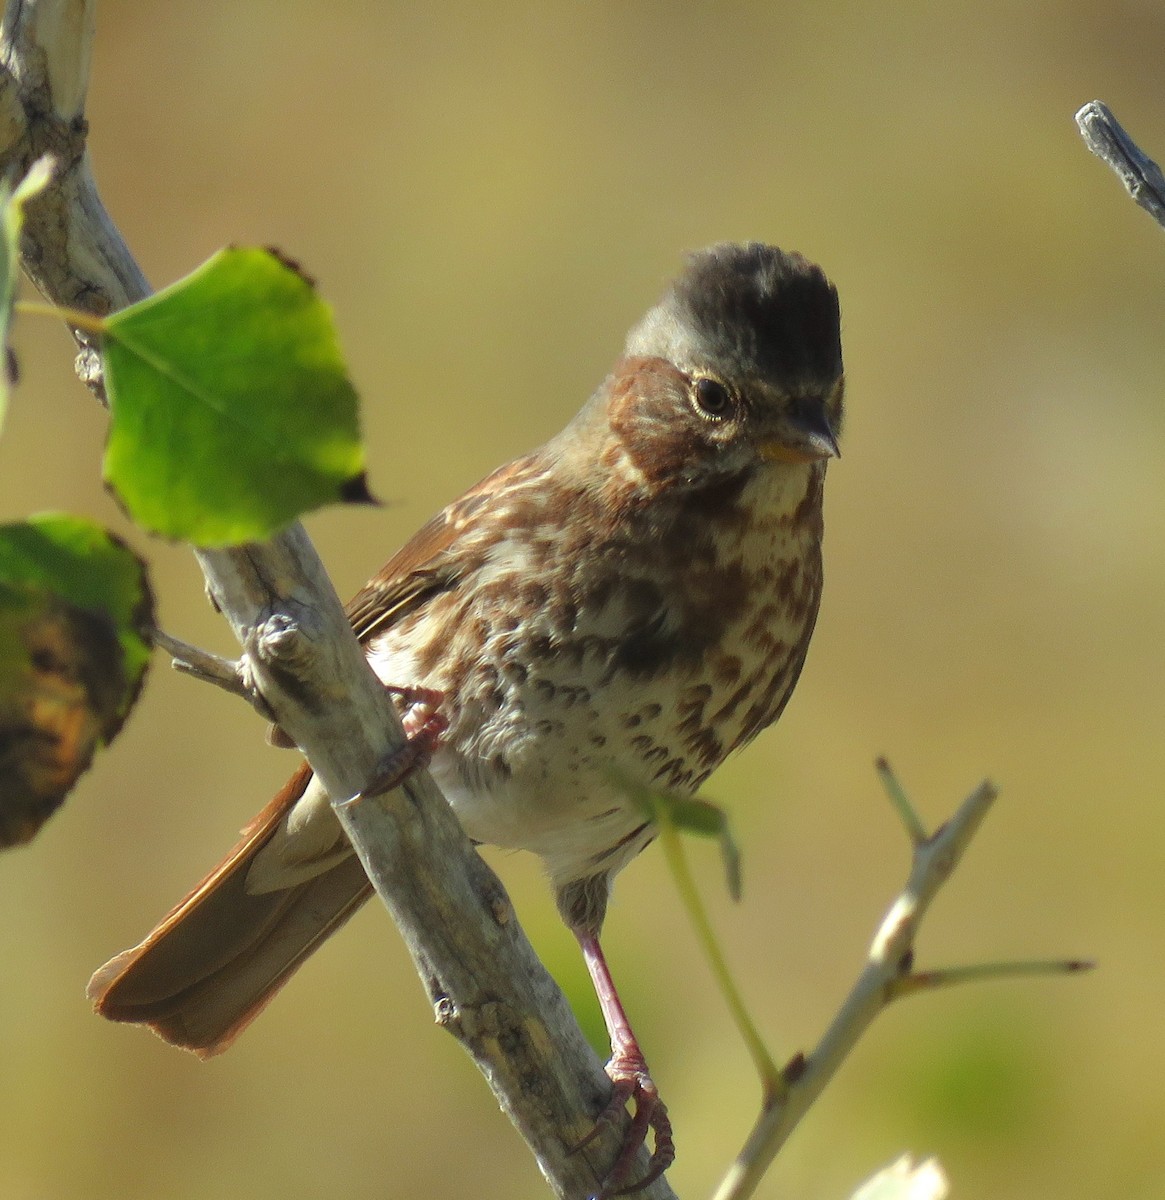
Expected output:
(76, 615)
(12, 202)
(232, 409)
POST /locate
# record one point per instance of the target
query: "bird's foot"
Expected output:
(423, 725)
(421, 707)
(632, 1083)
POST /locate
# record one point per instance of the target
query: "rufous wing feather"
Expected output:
(431, 560)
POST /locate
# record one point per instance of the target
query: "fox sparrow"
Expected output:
(631, 601)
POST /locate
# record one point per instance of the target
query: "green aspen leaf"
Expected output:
(12, 201)
(232, 411)
(76, 615)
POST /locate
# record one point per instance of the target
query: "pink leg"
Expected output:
(631, 1081)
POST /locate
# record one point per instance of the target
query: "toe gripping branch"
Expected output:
(631, 1082)
(423, 725)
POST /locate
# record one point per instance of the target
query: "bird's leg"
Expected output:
(631, 1081)
(423, 725)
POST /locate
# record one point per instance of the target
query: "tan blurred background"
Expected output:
(489, 195)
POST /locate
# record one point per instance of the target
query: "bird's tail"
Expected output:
(214, 962)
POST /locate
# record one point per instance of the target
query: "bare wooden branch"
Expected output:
(230, 674)
(486, 984)
(1107, 139)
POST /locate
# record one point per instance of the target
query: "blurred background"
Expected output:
(489, 196)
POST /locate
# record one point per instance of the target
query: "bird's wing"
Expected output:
(429, 563)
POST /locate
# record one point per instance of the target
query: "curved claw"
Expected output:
(631, 1083)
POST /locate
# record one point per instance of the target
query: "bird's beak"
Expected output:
(805, 435)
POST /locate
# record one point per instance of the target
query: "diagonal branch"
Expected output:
(1104, 135)
(487, 986)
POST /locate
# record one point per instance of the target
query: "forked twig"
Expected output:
(888, 975)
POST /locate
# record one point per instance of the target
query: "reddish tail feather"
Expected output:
(219, 956)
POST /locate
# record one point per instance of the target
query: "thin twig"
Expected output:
(887, 975)
(944, 977)
(227, 673)
(915, 830)
(1107, 139)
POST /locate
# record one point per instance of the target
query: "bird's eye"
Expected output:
(712, 398)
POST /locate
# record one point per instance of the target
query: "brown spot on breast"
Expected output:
(775, 696)
(539, 647)
(808, 511)
(564, 615)
(733, 702)
(646, 651)
(695, 697)
(704, 745)
(760, 632)
(534, 595)
(572, 695)
(726, 668)
(515, 672)
(788, 580)
(670, 770)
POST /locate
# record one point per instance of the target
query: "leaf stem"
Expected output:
(89, 322)
(772, 1080)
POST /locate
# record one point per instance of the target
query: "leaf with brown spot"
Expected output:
(75, 619)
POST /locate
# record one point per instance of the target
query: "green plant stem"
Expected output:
(772, 1080)
(89, 322)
